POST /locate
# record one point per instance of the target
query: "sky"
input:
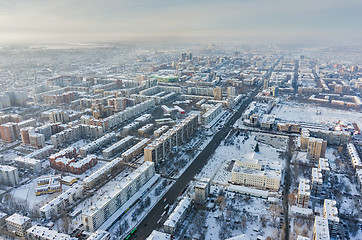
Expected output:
(112, 20)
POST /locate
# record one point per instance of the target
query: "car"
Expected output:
(165, 199)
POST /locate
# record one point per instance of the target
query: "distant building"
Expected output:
(202, 190)
(217, 93)
(9, 175)
(18, 224)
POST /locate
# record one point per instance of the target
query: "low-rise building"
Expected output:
(156, 235)
(249, 173)
(99, 235)
(18, 224)
(37, 232)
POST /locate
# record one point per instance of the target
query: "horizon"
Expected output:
(92, 21)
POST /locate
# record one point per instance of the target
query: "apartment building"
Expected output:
(135, 150)
(156, 235)
(161, 147)
(320, 229)
(330, 212)
(202, 190)
(103, 207)
(9, 175)
(317, 181)
(355, 159)
(324, 168)
(37, 232)
(97, 144)
(99, 235)
(9, 132)
(117, 147)
(102, 173)
(18, 224)
(211, 113)
(316, 149)
(56, 206)
(303, 193)
(175, 219)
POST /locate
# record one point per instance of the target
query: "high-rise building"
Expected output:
(9, 132)
(330, 212)
(317, 181)
(316, 149)
(231, 92)
(320, 230)
(303, 193)
(202, 190)
(217, 93)
(9, 175)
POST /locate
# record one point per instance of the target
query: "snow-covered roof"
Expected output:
(46, 233)
(177, 212)
(99, 235)
(321, 231)
(302, 238)
(18, 219)
(317, 175)
(240, 237)
(156, 235)
(6, 168)
(248, 190)
(304, 186)
(330, 210)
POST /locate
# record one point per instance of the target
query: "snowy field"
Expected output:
(237, 145)
(303, 112)
(234, 215)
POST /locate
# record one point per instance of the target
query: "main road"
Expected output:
(149, 223)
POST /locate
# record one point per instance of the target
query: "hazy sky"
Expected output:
(102, 20)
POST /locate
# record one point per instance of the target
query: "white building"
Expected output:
(355, 159)
(330, 212)
(60, 203)
(317, 181)
(175, 219)
(320, 230)
(156, 235)
(117, 147)
(104, 206)
(42, 233)
(99, 235)
(249, 172)
(97, 144)
(9, 175)
(303, 193)
(18, 224)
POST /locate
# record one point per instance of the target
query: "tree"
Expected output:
(291, 198)
(256, 149)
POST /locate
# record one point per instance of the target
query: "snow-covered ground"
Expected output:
(234, 147)
(303, 112)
